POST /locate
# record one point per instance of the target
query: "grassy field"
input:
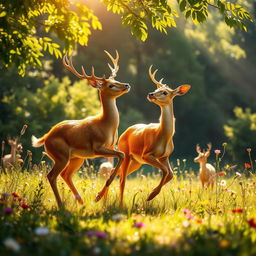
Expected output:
(182, 220)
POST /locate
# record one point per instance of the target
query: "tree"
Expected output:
(28, 28)
(241, 132)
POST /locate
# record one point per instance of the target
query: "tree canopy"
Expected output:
(31, 28)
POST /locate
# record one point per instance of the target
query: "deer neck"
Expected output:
(109, 114)
(203, 166)
(13, 152)
(167, 121)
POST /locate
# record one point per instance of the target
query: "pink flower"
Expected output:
(189, 216)
(185, 211)
(139, 225)
(217, 151)
(249, 150)
(98, 234)
(8, 210)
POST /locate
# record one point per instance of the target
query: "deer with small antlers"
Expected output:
(70, 142)
(207, 172)
(14, 157)
(150, 144)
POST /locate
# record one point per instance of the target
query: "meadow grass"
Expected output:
(183, 219)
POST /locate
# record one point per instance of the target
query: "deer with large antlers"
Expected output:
(207, 172)
(70, 142)
(152, 143)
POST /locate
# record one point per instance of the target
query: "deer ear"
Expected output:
(183, 89)
(207, 154)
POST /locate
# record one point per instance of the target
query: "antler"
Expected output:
(68, 64)
(114, 69)
(152, 76)
(209, 146)
(198, 149)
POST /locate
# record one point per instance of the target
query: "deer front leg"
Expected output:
(150, 159)
(105, 152)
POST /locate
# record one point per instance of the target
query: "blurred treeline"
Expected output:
(218, 62)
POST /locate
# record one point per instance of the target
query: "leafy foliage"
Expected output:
(25, 24)
(241, 132)
(29, 28)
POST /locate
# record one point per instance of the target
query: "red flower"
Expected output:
(249, 149)
(24, 206)
(15, 195)
(198, 220)
(246, 165)
(221, 173)
(238, 210)
(252, 223)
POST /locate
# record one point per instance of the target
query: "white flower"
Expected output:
(185, 223)
(238, 174)
(12, 244)
(118, 217)
(42, 231)
(223, 183)
(96, 250)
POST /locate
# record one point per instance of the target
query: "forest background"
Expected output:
(217, 61)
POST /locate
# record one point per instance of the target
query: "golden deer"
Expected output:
(68, 143)
(207, 172)
(150, 143)
(14, 157)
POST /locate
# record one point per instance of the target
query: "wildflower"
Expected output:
(198, 220)
(221, 173)
(224, 144)
(185, 223)
(24, 205)
(185, 211)
(139, 225)
(252, 223)
(189, 216)
(11, 244)
(224, 243)
(217, 151)
(98, 234)
(15, 195)
(238, 174)
(96, 250)
(246, 165)
(42, 231)
(249, 150)
(238, 210)
(8, 210)
(223, 183)
(23, 129)
(118, 217)
(5, 195)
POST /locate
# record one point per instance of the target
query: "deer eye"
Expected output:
(165, 93)
(111, 86)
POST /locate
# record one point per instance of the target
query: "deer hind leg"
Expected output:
(66, 174)
(129, 165)
(109, 153)
(59, 153)
(150, 159)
